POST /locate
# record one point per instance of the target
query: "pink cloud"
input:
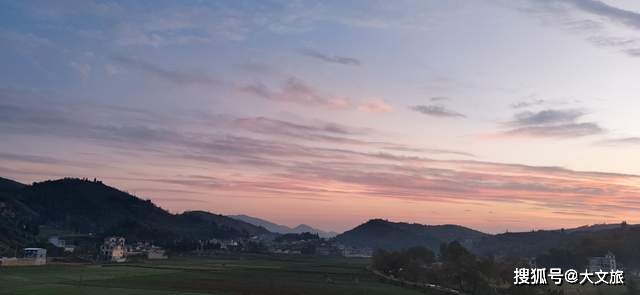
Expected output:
(339, 103)
(296, 91)
(375, 106)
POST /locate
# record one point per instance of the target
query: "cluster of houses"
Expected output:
(597, 263)
(320, 247)
(233, 245)
(313, 246)
(115, 249)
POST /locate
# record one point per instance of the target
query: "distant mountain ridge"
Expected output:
(379, 233)
(283, 229)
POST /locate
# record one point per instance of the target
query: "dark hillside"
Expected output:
(91, 207)
(17, 222)
(378, 233)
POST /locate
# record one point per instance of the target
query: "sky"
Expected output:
(493, 114)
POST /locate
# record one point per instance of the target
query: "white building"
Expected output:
(156, 253)
(32, 256)
(357, 252)
(61, 243)
(605, 263)
(38, 255)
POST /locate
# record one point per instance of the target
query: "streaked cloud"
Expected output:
(318, 132)
(439, 98)
(174, 76)
(527, 103)
(546, 117)
(437, 111)
(296, 91)
(552, 123)
(30, 158)
(615, 14)
(559, 130)
(596, 19)
(622, 142)
(267, 163)
(25, 41)
(635, 52)
(190, 98)
(335, 59)
(375, 106)
(399, 148)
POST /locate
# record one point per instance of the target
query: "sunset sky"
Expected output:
(496, 115)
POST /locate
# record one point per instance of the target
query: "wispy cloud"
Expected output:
(25, 41)
(624, 141)
(275, 165)
(174, 76)
(527, 103)
(437, 111)
(552, 123)
(336, 59)
(296, 91)
(83, 69)
(635, 52)
(400, 148)
(546, 117)
(439, 98)
(559, 131)
(615, 14)
(375, 106)
(596, 19)
(318, 132)
(31, 158)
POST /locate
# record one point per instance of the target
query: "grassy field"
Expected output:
(238, 274)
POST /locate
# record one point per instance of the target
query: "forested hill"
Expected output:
(378, 233)
(570, 247)
(17, 222)
(84, 206)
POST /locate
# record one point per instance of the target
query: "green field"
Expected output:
(238, 274)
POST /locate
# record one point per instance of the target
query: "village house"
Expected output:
(113, 249)
(31, 256)
(62, 243)
(606, 263)
(155, 253)
(357, 252)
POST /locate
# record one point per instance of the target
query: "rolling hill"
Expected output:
(84, 206)
(594, 240)
(378, 233)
